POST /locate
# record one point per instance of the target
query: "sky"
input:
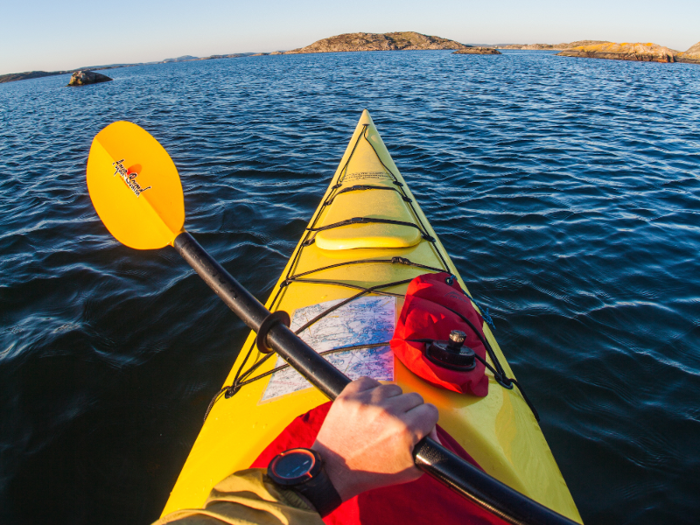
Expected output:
(52, 35)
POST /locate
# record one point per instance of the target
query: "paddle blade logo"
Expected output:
(129, 176)
(135, 187)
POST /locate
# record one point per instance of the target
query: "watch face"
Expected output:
(294, 464)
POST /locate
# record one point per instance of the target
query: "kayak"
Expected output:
(344, 288)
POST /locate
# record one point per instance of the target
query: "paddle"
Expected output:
(136, 191)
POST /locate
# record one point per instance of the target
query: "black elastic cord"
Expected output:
(393, 260)
(500, 377)
(484, 313)
(510, 381)
(364, 187)
(396, 181)
(232, 389)
(486, 344)
(297, 255)
(372, 220)
(242, 378)
(364, 291)
(349, 285)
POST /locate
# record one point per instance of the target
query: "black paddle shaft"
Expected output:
(430, 456)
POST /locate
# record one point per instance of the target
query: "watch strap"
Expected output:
(317, 488)
(320, 492)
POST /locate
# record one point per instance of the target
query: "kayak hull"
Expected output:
(499, 431)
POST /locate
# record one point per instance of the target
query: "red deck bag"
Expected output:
(432, 309)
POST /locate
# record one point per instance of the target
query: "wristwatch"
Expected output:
(301, 470)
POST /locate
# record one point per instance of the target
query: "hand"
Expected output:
(369, 434)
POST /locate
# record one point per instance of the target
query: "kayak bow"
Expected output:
(365, 242)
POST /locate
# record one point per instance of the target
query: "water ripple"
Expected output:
(567, 192)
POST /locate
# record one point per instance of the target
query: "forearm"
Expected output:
(247, 497)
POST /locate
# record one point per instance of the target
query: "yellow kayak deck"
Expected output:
(368, 218)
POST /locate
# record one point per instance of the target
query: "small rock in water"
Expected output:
(477, 50)
(83, 78)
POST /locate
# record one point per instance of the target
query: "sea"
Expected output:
(566, 190)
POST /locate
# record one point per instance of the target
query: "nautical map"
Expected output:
(367, 320)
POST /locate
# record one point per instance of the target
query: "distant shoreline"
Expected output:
(28, 75)
(400, 41)
(349, 42)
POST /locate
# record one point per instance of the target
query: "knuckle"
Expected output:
(367, 382)
(432, 412)
(392, 389)
(416, 397)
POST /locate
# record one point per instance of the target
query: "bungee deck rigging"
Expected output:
(367, 240)
(243, 378)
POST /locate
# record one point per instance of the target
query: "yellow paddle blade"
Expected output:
(135, 187)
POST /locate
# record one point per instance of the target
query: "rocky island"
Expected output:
(610, 50)
(477, 50)
(398, 41)
(551, 47)
(85, 78)
(412, 41)
(692, 56)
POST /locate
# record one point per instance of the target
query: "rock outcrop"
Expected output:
(11, 77)
(528, 47)
(625, 51)
(400, 41)
(552, 47)
(83, 78)
(477, 50)
(185, 58)
(691, 56)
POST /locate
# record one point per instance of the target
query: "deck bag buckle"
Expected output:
(432, 311)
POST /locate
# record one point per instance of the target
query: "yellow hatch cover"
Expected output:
(370, 204)
(366, 191)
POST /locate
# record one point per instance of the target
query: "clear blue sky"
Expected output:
(54, 35)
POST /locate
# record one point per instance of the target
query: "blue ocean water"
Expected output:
(567, 191)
